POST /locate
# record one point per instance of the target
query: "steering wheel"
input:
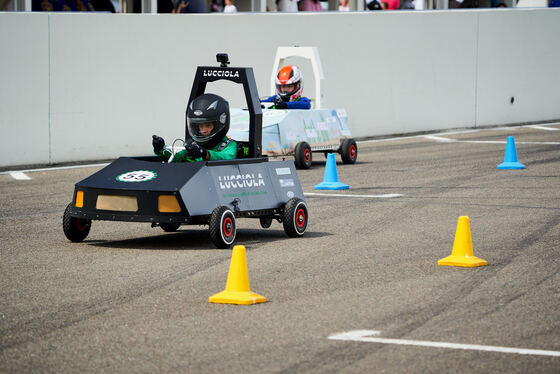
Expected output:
(176, 149)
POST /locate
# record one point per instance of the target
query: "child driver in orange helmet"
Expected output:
(289, 86)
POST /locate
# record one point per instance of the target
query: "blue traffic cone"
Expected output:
(510, 159)
(330, 181)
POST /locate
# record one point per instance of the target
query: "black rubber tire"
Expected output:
(265, 222)
(75, 229)
(222, 227)
(303, 156)
(295, 217)
(349, 151)
(169, 227)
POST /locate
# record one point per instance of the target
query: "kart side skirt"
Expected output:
(127, 217)
(184, 220)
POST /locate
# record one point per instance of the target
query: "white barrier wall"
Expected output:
(519, 57)
(24, 89)
(94, 86)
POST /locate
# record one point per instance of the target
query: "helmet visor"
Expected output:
(202, 130)
(287, 89)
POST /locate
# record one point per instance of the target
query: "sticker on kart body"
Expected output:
(311, 133)
(137, 176)
(283, 171)
(240, 181)
(286, 183)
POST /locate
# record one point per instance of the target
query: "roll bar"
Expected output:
(241, 75)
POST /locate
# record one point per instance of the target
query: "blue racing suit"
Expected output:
(301, 103)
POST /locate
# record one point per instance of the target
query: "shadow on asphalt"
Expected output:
(188, 239)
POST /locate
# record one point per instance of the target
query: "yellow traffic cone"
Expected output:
(462, 254)
(237, 287)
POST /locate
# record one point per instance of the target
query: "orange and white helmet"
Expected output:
(289, 83)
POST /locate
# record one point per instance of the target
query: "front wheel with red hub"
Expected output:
(295, 217)
(75, 229)
(222, 227)
(302, 155)
(348, 151)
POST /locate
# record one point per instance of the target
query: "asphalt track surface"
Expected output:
(133, 299)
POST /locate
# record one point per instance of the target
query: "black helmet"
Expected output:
(208, 109)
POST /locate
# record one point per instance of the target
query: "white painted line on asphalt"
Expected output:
(536, 143)
(54, 168)
(388, 139)
(384, 196)
(19, 176)
(541, 126)
(544, 128)
(366, 336)
(440, 139)
(457, 132)
(414, 137)
(444, 140)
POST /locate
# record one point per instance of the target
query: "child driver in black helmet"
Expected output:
(208, 124)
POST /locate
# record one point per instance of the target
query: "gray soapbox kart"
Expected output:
(213, 193)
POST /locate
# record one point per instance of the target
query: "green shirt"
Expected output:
(222, 151)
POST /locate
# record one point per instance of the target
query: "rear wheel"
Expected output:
(349, 151)
(303, 155)
(75, 229)
(265, 222)
(169, 227)
(222, 227)
(295, 217)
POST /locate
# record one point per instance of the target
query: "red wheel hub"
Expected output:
(227, 227)
(307, 155)
(300, 218)
(352, 151)
(81, 225)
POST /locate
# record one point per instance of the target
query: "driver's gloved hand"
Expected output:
(194, 151)
(158, 143)
(279, 103)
